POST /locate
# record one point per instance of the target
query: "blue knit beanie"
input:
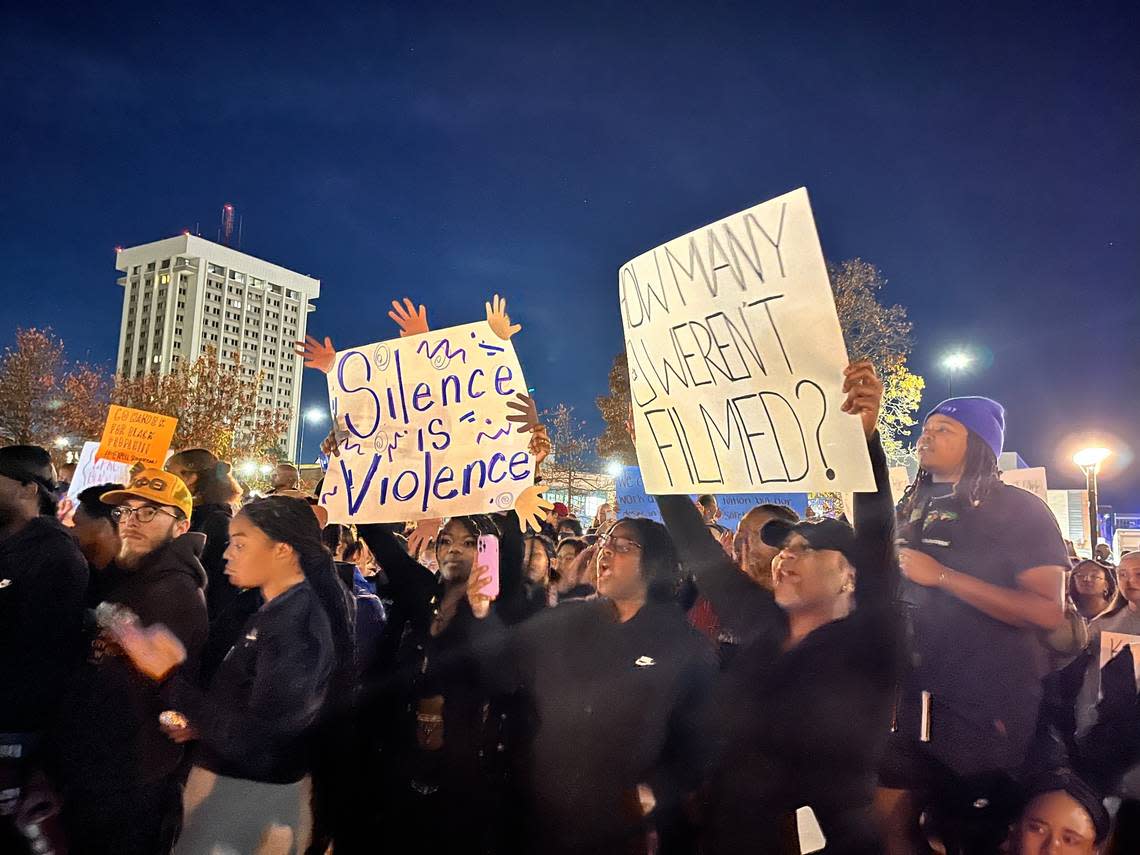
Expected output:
(984, 417)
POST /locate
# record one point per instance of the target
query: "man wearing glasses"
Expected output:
(120, 773)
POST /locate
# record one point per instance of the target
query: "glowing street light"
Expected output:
(247, 468)
(62, 442)
(265, 469)
(1089, 460)
(315, 415)
(956, 362)
(614, 468)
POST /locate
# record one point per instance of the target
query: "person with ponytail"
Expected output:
(253, 726)
(985, 566)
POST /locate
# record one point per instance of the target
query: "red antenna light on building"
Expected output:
(227, 223)
(118, 249)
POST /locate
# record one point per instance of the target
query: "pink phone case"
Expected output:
(488, 556)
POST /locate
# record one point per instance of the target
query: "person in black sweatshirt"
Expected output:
(121, 776)
(802, 712)
(215, 491)
(613, 687)
(43, 582)
(253, 726)
(436, 715)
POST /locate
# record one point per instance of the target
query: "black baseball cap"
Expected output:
(28, 464)
(825, 533)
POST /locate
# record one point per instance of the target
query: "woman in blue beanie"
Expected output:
(984, 564)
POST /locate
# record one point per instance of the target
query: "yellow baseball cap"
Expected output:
(156, 486)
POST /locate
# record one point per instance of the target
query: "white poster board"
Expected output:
(90, 472)
(427, 435)
(736, 360)
(1032, 480)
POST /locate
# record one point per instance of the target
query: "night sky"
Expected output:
(987, 160)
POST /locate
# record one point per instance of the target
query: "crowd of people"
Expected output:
(188, 668)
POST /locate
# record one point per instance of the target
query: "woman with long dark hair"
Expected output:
(434, 717)
(253, 727)
(985, 566)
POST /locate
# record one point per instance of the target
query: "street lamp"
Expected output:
(62, 442)
(955, 363)
(614, 468)
(247, 468)
(315, 415)
(1089, 459)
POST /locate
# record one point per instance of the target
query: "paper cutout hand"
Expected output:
(527, 418)
(409, 320)
(422, 534)
(499, 320)
(316, 355)
(532, 508)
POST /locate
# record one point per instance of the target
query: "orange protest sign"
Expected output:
(136, 436)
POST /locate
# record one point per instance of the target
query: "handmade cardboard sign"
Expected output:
(1031, 480)
(633, 501)
(89, 471)
(425, 429)
(135, 436)
(736, 360)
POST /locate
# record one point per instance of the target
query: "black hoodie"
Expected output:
(108, 738)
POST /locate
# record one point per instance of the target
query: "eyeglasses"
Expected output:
(620, 545)
(144, 514)
(1088, 577)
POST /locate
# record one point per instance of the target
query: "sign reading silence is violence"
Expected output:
(735, 353)
(427, 424)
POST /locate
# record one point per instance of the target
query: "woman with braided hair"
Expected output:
(984, 567)
(254, 726)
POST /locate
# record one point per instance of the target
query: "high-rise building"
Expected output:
(185, 294)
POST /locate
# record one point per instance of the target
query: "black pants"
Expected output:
(143, 821)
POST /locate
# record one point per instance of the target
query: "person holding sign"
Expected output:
(985, 566)
(803, 708)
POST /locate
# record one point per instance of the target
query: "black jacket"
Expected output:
(108, 737)
(214, 522)
(806, 726)
(254, 720)
(43, 582)
(612, 705)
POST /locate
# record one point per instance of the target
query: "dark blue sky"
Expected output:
(988, 160)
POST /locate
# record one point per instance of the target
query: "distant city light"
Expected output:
(62, 442)
(264, 468)
(614, 468)
(957, 361)
(247, 468)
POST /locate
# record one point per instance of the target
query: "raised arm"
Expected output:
(741, 605)
(411, 585)
(876, 561)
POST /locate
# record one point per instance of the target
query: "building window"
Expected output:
(218, 269)
(150, 267)
(135, 269)
(165, 264)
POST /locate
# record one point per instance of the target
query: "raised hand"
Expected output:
(499, 320)
(408, 319)
(864, 392)
(532, 508)
(316, 355)
(330, 445)
(156, 651)
(477, 582)
(422, 535)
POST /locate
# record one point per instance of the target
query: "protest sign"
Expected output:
(425, 421)
(1032, 480)
(633, 501)
(135, 436)
(736, 360)
(89, 471)
(1111, 643)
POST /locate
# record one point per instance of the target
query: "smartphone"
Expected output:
(488, 556)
